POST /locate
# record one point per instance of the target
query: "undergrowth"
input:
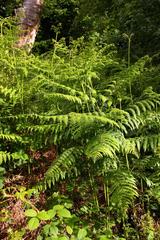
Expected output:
(79, 143)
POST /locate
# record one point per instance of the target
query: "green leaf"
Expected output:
(109, 103)
(30, 213)
(39, 238)
(46, 229)
(69, 230)
(33, 223)
(68, 205)
(2, 170)
(103, 237)
(43, 215)
(63, 238)
(82, 233)
(64, 213)
(51, 213)
(53, 230)
(58, 207)
(1, 183)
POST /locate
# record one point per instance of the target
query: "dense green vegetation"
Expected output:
(80, 123)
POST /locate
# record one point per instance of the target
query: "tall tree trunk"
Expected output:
(29, 23)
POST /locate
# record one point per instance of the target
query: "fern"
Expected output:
(105, 144)
(63, 97)
(128, 146)
(107, 134)
(11, 137)
(20, 156)
(4, 156)
(147, 142)
(62, 165)
(123, 189)
(8, 97)
(73, 123)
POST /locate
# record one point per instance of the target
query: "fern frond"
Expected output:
(10, 137)
(142, 106)
(148, 102)
(124, 119)
(74, 123)
(134, 122)
(129, 147)
(91, 118)
(62, 166)
(123, 189)
(150, 142)
(85, 122)
(7, 156)
(9, 92)
(105, 144)
(63, 97)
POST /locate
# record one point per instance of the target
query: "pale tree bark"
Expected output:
(29, 23)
